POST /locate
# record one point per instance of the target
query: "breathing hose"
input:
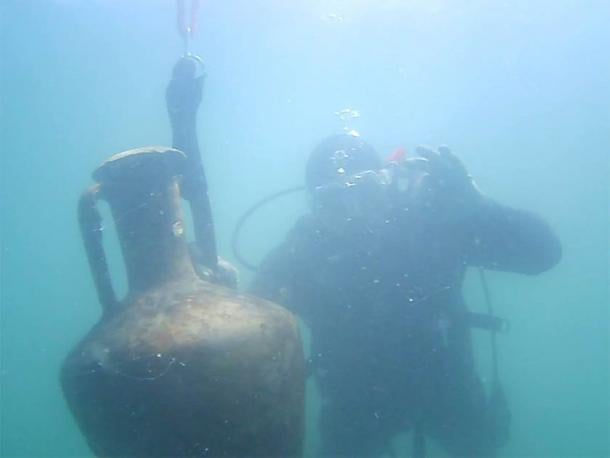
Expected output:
(244, 218)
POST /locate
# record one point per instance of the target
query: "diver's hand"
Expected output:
(183, 95)
(441, 186)
(225, 274)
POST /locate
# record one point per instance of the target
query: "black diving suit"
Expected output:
(390, 332)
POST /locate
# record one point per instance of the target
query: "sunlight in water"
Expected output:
(351, 10)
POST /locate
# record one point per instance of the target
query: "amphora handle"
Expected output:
(90, 221)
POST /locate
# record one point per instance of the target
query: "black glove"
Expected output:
(440, 186)
(225, 274)
(183, 95)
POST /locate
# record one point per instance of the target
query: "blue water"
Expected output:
(520, 90)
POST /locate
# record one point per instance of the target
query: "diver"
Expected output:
(375, 270)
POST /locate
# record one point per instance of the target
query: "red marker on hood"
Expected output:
(399, 155)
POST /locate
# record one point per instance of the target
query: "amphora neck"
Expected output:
(141, 187)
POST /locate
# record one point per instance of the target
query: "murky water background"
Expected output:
(519, 89)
